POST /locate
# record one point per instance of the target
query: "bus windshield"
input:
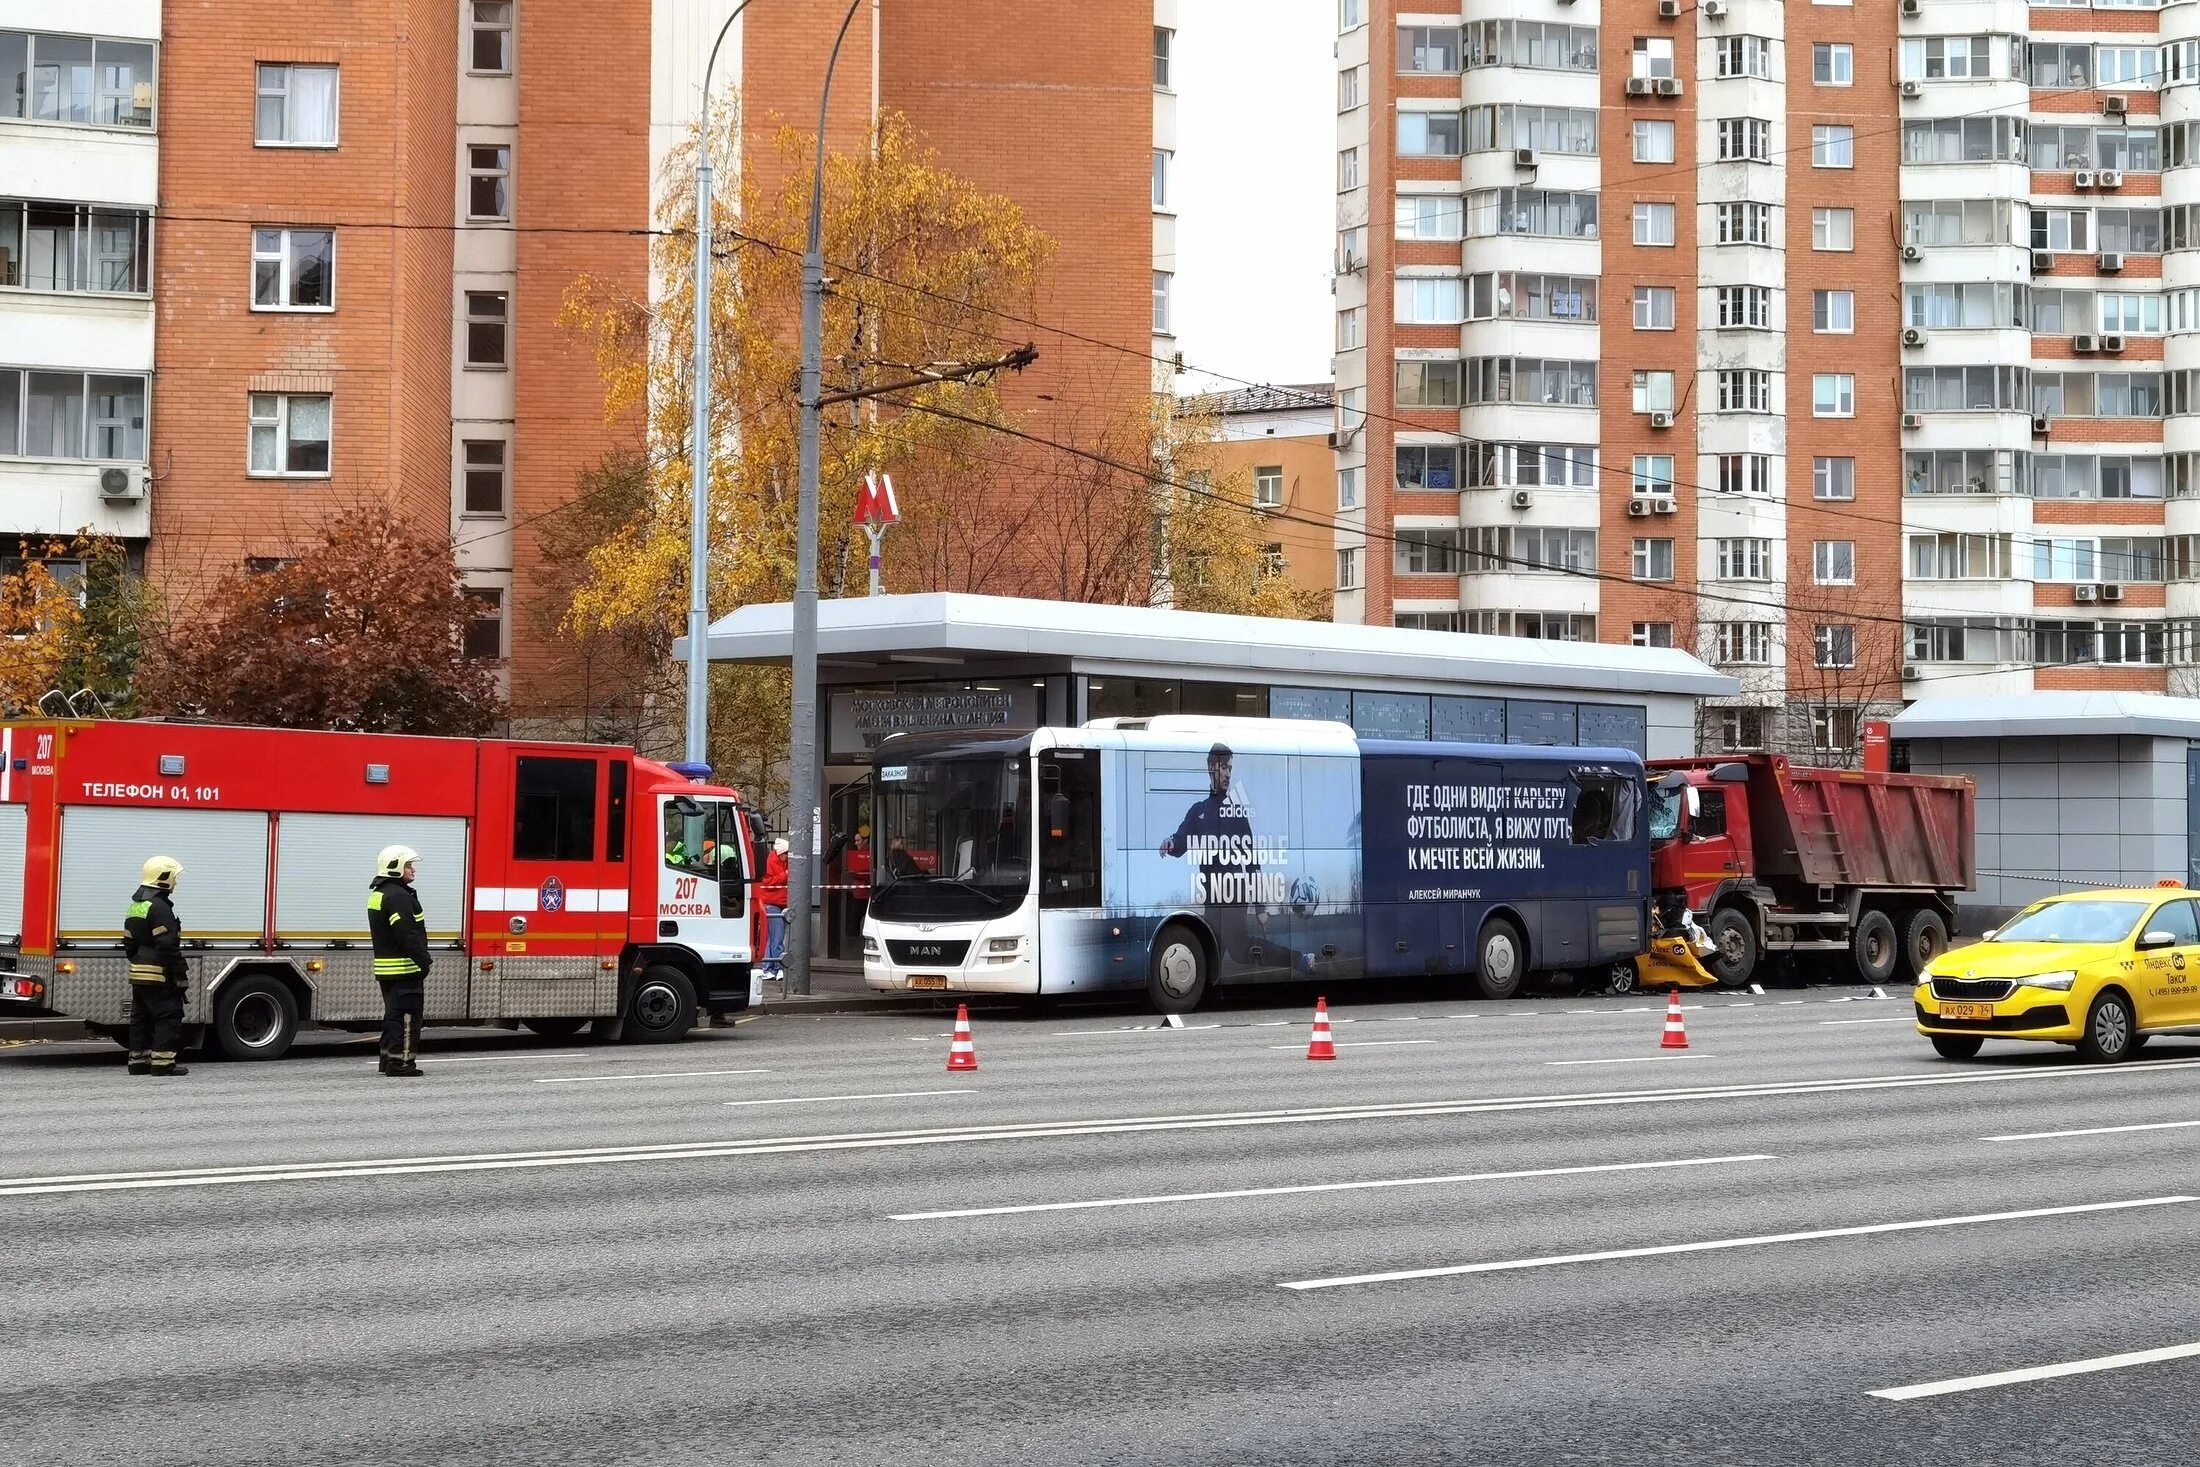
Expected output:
(954, 833)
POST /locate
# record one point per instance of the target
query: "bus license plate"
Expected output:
(1967, 1011)
(928, 980)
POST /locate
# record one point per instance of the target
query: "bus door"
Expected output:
(703, 880)
(1073, 927)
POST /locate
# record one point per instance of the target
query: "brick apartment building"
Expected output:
(1277, 440)
(255, 266)
(1831, 341)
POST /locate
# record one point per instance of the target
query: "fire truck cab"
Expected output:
(565, 885)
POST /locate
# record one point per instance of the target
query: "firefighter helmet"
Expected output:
(394, 860)
(162, 872)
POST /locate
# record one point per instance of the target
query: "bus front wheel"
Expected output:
(1176, 977)
(1501, 960)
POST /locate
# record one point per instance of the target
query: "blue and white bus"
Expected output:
(1176, 853)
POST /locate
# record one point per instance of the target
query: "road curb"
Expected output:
(57, 1030)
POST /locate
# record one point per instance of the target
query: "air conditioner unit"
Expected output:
(1913, 89)
(1911, 336)
(1338, 440)
(1661, 420)
(1912, 9)
(1638, 86)
(2083, 178)
(1638, 509)
(1664, 504)
(2111, 264)
(2085, 593)
(122, 483)
(2041, 427)
(1913, 420)
(2116, 106)
(1669, 86)
(2109, 178)
(1913, 253)
(2112, 342)
(2112, 593)
(1911, 672)
(2085, 343)
(1523, 157)
(2043, 261)
(1669, 9)
(1714, 9)
(1523, 499)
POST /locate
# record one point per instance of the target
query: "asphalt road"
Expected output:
(706, 1252)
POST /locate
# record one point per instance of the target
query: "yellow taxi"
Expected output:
(2100, 970)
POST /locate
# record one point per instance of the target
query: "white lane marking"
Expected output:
(492, 1059)
(819, 1099)
(1361, 1043)
(1130, 1029)
(1903, 1019)
(1030, 1130)
(1633, 1059)
(1710, 1244)
(653, 1075)
(2093, 1131)
(1555, 1171)
(2035, 1372)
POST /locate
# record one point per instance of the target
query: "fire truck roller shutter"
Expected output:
(323, 864)
(223, 896)
(13, 823)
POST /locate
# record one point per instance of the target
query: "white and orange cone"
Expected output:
(1321, 1046)
(962, 1054)
(1676, 1032)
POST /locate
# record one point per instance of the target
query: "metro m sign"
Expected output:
(876, 505)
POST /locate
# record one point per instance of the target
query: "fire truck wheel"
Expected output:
(255, 1018)
(557, 1031)
(663, 1006)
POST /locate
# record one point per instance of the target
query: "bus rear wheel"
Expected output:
(1501, 959)
(1176, 976)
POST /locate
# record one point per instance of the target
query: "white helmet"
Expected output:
(161, 871)
(394, 860)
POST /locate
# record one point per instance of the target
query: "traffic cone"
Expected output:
(962, 1054)
(1676, 1032)
(1321, 1046)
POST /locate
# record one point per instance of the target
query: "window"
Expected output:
(1947, 58)
(1833, 478)
(1744, 223)
(1530, 548)
(1429, 134)
(293, 270)
(290, 434)
(1653, 141)
(1653, 392)
(1348, 488)
(1653, 474)
(1833, 395)
(1748, 306)
(1430, 216)
(74, 415)
(1744, 56)
(1351, 328)
(1348, 88)
(1162, 157)
(1833, 64)
(1740, 729)
(554, 809)
(77, 80)
(1348, 170)
(1163, 284)
(1833, 645)
(1833, 311)
(1833, 562)
(1744, 560)
(1652, 634)
(1423, 467)
(484, 622)
(1833, 229)
(492, 37)
(1427, 384)
(488, 182)
(1349, 17)
(1746, 642)
(485, 475)
(487, 328)
(1352, 249)
(1654, 224)
(1268, 486)
(1439, 301)
(1164, 41)
(1348, 569)
(1745, 473)
(1744, 391)
(75, 247)
(296, 106)
(1832, 146)
(1428, 48)
(1833, 726)
(1653, 56)
(1743, 139)
(1429, 553)
(1653, 308)
(1653, 560)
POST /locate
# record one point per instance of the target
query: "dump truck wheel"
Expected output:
(1501, 959)
(1875, 947)
(1924, 938)
(1736, 958)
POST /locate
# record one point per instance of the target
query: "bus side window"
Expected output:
(1069, 828)
(1606, 808)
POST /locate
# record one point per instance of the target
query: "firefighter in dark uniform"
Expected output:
(152, 940)
(400, 931)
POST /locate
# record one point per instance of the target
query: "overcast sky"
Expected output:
(1256, 128)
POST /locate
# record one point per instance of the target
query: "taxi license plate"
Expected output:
(928, 980)
(1967, 1011)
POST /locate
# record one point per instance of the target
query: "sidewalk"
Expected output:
(837, 987)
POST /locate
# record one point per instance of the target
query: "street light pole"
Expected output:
(805, 808)
(698, 699)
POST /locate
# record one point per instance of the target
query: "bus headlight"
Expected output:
(871, 948)
(1004, 944)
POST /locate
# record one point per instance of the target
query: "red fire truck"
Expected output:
(565, 884)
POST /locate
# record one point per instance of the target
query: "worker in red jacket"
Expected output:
(772, 891)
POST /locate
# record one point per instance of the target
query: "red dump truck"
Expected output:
(1773, 857)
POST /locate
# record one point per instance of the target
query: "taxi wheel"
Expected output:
(1956, 1046)
(2110, 1031)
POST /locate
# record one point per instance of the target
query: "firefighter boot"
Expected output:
(387, 1065)
(171, 1068)
(141, 1062)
